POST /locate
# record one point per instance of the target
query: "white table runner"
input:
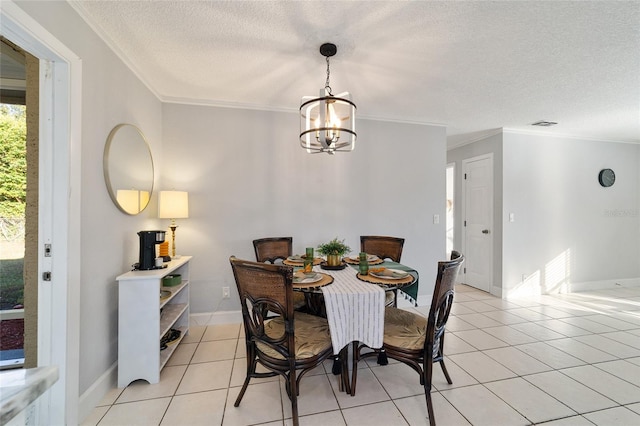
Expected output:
(355, 310)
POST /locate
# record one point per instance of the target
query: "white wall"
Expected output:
(248, 178)
(492, 145)
(570, 233)
(111, 94)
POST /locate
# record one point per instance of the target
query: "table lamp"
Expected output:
(173, 205)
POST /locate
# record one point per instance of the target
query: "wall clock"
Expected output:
(606, 177)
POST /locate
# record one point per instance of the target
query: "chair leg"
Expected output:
(251, 368)
(446, 373)
(432, 418)
(355, 357)
(242, 391)
(293, 386)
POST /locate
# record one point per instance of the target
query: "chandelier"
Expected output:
(327, 122)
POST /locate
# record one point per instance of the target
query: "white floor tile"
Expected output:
(333, 418)
(587, 353)
(563, 328)
(382, 414)
(139, 390)
(315, 396)
(571, 393)
(183, 354)
(216, 350)
(622, 369)
(549, 355)
(517, 361)
(613, 417)
(414, 410)
(399, 380)
(261, 403)
(205, 377)
(194, 409)
(528, 400)
(590, 339)
(479, 320)
(195, 334)
(509, 335)
(537, 331)
(607, 384)
(481, 367)
(95, 416)
(142, 413)
(368, 391)
(480, 340)
(609, 346)
(221, 332)
(481, 407)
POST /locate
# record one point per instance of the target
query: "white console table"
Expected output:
(143, 318)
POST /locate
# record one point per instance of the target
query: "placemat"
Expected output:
(316, 261)
(375, 280)
(357, 262)
(326, 279)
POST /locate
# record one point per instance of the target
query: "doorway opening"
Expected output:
(19, 111)
(449, 221)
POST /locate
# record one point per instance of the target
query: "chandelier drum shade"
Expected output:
(327, 122)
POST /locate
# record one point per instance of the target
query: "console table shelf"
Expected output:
(143, 319)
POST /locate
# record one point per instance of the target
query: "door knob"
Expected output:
(485, 231)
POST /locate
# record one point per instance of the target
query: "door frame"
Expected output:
(58, 211)
(463, 209)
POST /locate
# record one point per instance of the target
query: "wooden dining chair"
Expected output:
(384, 248)
(418, 341)
(273, 248)
(289, 345)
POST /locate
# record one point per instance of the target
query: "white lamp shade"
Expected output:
(173, 204)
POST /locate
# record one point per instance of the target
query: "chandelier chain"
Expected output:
(326, 85)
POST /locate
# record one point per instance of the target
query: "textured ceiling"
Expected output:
(472, 66)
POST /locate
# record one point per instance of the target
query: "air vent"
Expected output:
(544, 123)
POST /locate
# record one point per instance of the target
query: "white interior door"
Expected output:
(478, 221)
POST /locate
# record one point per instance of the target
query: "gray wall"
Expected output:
(569, 233)
(248, 178)
(111, 94)
(489, 145)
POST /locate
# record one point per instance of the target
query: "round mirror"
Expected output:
(128, 168)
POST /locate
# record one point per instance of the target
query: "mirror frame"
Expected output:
(107, 160)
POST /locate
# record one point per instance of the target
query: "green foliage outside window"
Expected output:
(13, 161)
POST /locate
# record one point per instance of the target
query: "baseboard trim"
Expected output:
(598, 285)
(212, 318)
(90, 399)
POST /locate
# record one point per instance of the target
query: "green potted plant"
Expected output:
(334, 250)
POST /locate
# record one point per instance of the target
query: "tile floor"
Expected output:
(558, 360)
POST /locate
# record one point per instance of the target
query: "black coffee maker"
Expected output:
(148, 241)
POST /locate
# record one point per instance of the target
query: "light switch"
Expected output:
(512, 217)
(436, 218)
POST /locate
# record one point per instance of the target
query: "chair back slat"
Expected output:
(265, 291)
(382, 246)
(441, 304)
(273, 248)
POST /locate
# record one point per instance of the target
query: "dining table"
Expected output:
(354, 304)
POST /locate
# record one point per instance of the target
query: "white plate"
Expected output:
(296, 259)
(387, 277)
(370, 258)
(307, 280)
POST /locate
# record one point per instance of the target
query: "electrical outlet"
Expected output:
(225, 292)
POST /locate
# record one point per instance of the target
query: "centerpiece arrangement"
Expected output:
(334, 250)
